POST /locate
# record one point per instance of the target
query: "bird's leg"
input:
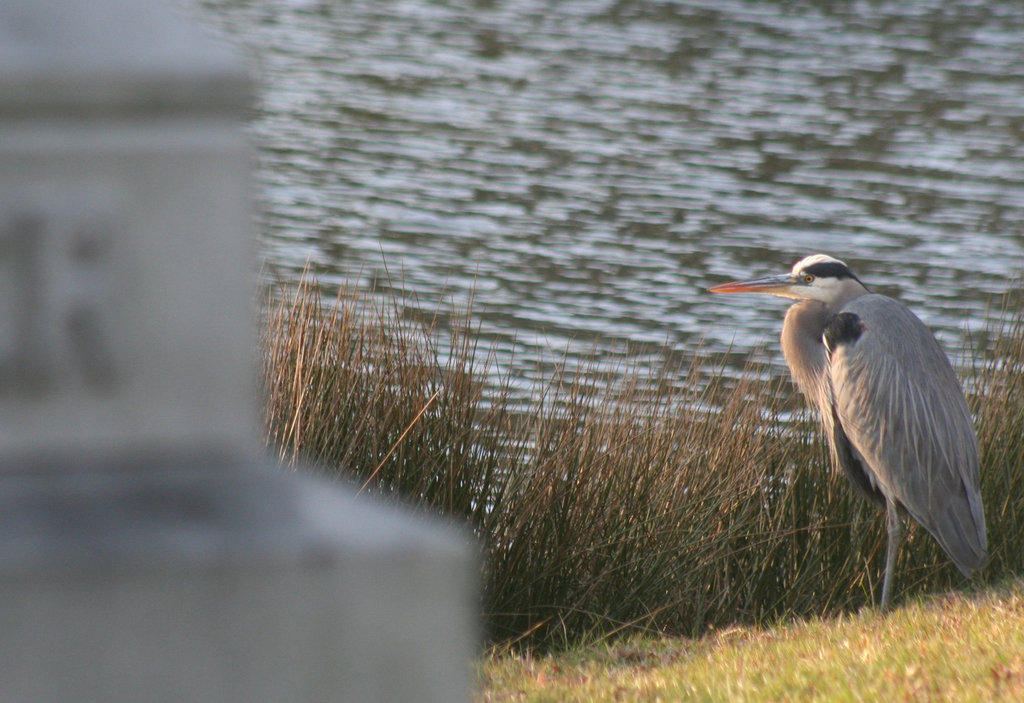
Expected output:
(895, 529)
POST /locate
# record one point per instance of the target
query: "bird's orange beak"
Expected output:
(767, 284)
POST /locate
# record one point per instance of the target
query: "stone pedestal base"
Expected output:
(226, 585)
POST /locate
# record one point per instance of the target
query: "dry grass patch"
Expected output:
(955, 647)
(674, 502)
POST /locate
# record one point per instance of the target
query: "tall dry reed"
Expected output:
(618, 502)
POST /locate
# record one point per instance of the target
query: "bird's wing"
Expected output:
(902, 409)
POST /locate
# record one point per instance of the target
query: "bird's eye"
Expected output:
(808, 278)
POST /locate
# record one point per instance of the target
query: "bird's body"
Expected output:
(890, 404)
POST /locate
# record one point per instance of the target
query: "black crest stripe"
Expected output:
(829, 269)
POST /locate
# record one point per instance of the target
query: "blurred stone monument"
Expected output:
(146, 551)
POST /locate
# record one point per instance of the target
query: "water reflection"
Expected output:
(589, 167)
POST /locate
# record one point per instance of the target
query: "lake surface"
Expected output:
(589, 168)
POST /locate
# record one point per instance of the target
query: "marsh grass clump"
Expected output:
(618, 501)
(361, 393)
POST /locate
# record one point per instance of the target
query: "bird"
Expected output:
(889, 403)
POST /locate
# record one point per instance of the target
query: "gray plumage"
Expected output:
(889, 402)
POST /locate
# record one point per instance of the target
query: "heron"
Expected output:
(889, 403)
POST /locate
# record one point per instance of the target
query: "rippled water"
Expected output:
(590, 167)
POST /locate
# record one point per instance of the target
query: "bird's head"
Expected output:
(816, 277)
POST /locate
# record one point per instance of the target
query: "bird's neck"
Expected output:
(803, 348)
(850, 289)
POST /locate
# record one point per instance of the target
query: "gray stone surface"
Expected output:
(146, 553)
(232, 585)
(125, 255)
(111, 58)
(124, 299)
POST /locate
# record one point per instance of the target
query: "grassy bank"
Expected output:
(623, 503)
(954, 648)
